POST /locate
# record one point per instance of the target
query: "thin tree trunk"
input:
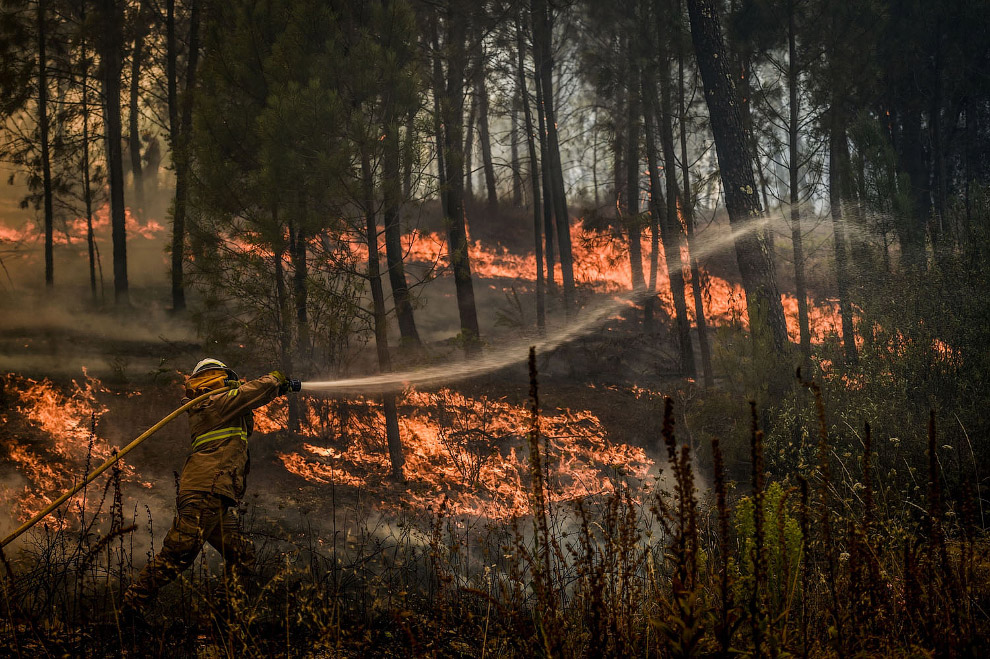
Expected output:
(394, 441)
(409, 146)
(766, 313)
(456, 228)
(547, 209)
(134, 140)
(481, 90)
(46, 165)
(300, 273)
(533, 175)
(469, 149)
(87, 187)
(517, 178)
(835, 187)
(631, 210)
(687, 207)
(179, 128)
(438, 115)
(672, 236)
(542, 37)
(792, 154)
(110, 78)
(393, 236)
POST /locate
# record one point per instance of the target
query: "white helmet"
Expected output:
(210, 364)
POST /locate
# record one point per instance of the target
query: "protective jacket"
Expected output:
(220, 426)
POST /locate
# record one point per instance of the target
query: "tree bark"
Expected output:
(87, 187)
(46, 165)
(134, 139)
(687, 207)
(180, 123)
(547, 209)
(393, 235)
(766, 313)
(517, 179)
(630, 213)
(472, 121)
(670, 226)
(533, 175)
(793, 167)
(393, 439)
(481, 91)
(542, 35)
(111, 65)
(454, 159)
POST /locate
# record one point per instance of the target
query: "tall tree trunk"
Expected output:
(409, 147)
(46, 165)
(134, 131)
(687, 207)
(456, 228)
(87, 187)
(517, 179)
(439, 130)
(766, 313)
(180, 123)
(394, 441)
(837, 148)
(481, 91)
(542, 47)
(670, 224)
(793, 167)
(298, 236)
(533, 175)
(547, 209)
(110, 67)
(472, 121)
(393, 235)
(631, 211)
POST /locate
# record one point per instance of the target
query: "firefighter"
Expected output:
(213, 477)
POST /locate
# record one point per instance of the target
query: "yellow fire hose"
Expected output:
(106, 465)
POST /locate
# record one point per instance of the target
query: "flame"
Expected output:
(53, 439)
(473, 450)
(76, 229)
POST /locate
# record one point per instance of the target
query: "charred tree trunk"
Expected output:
(134, 130)
(631, 211)
(481, 91)
(837, 148)
(547, 209)
(533, 175)
(87, 186)
(110, 68)
(180, 123)
(800, 289)
(542, 35)
(766, 313)
(454, 159)
(46, 164)
(394, 441)
(393, 237)
(687, 207)
(439, 132)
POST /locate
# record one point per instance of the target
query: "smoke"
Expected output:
(517, 352)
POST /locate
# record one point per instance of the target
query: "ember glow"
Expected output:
(470, 450)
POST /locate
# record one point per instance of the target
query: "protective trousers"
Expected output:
(201, 517)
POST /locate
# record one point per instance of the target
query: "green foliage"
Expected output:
(782, 544)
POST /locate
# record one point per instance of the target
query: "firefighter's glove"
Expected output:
(284, 383)
(233, 384)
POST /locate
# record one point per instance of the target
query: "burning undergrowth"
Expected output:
(51, 437)
(469, 452)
